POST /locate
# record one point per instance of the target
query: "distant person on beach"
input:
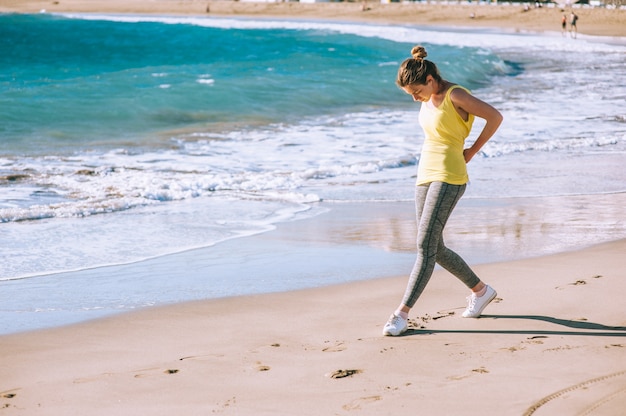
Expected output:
(573, 30)
(446, 115)
(563, 25)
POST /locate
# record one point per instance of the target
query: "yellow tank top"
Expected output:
(445, 132)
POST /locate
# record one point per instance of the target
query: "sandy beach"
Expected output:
(552, 343)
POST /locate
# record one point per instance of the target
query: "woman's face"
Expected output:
(421, 92)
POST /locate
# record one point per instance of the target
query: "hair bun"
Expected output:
(419, 52)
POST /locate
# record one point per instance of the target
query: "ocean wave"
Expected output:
(273, 163)
(400, 33)
(186, 152)
(498, 148)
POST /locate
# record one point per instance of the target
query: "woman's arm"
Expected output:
(467, 103)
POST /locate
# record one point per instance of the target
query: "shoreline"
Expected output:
(320, 351)
(353, 242)
(507, 17)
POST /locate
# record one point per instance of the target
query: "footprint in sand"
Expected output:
(480, 370)
(261, 367)
(8, 394)
(203, 357)
(91, 379)
(337, 347)
(420, 321)
(537, 339)
(149, 372)
(443, 314)
(140, 373)
(356, 403)
(343, 373)
(415, 324)
(579, 282)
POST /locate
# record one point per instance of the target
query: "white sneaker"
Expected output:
(396, 325)
(475, 304)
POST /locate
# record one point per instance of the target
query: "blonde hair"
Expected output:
(415, 70)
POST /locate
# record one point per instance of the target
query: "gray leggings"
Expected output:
(434, 203)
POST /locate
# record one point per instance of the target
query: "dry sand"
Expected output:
(553, 342)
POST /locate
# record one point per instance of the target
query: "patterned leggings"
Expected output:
(434, 203)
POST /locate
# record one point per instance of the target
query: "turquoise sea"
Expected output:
(127, 138)
(103, 84)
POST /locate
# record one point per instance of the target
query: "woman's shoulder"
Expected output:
(456, 91)
(457, 87)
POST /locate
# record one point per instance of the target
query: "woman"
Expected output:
(446, 116)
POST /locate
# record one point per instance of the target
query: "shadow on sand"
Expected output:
(584, 328)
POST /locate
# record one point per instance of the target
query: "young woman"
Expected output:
(446, 115)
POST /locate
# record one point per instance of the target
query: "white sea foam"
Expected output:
(399, 33)
(206, 81)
